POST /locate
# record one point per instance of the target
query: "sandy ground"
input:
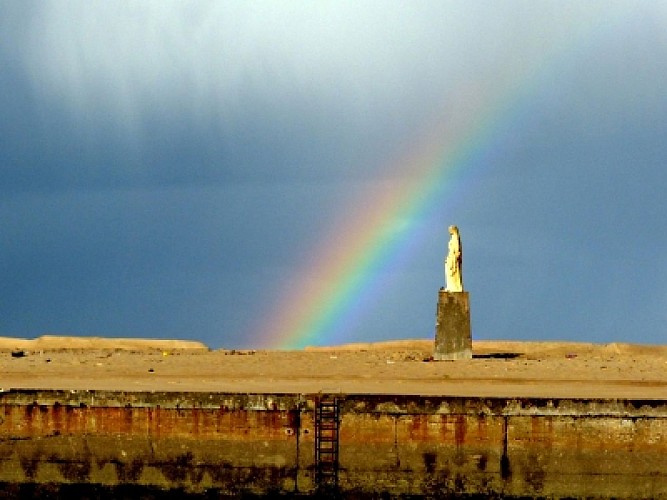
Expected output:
(502, 369)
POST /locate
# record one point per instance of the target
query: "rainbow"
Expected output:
(332, 289)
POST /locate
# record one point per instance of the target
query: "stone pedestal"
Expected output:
(453, 338)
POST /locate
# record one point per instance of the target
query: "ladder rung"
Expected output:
(327, 423)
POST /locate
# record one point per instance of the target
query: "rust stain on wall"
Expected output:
(407, 445)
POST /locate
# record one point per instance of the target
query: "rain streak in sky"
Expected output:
(181, 169)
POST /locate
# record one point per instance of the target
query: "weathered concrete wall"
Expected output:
(514, 448)
(236, 443)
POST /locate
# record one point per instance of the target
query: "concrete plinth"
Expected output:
(453, 338)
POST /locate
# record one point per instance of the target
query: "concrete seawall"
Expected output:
(201, 442)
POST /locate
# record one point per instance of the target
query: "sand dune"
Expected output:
(506, 347)
(56, 342)
(480, 347)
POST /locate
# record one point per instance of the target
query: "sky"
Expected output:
(281, 174)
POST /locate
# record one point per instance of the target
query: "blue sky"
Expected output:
(167, 167)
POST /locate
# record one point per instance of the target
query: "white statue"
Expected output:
(454, 262)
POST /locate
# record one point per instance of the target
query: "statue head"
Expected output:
(454, 230)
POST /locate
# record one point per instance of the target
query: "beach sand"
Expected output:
(498, 368)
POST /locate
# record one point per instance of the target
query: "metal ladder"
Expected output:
(327, 424)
